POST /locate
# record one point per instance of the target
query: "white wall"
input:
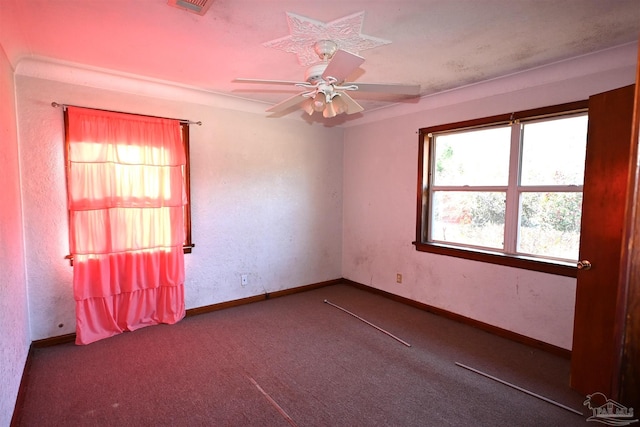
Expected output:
(380, 179)
(266, 193)
(14, 320)
(286, 203)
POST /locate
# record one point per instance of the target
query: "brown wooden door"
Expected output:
(627, 383)
(593, 356)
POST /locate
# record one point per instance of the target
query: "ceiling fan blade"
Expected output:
(342, 64)
(395, 88)
(287, 103)
(269, 82)
(352, 106)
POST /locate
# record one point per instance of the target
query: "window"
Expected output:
(188, 242)
(505, 189)
(132, 154)
(126, 188)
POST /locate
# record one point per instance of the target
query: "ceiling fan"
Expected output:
(326, 88)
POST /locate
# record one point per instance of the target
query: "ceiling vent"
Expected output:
(196, 6)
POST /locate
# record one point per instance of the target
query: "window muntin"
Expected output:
(468, 206)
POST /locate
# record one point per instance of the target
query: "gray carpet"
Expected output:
(298, 361)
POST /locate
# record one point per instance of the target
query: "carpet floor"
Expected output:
(298, 361)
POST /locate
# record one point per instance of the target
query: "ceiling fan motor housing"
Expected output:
(325, 49)
(314, 73)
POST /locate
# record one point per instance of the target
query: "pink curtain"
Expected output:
(126, 198)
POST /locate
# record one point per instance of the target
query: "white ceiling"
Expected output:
(438, 44)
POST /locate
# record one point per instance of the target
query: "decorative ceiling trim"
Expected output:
(346, 32)
(132, 84)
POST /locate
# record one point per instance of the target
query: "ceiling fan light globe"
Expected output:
(308, 106)
(318, 104)
(340, 105)
(329, 111)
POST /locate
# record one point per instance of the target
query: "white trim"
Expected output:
(512, 203)
(66, 72)
(617, 63)
(613, 67)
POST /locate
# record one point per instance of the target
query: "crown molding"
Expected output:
(72, 73)
(611, 68)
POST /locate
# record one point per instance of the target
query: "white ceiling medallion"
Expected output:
(346, 32)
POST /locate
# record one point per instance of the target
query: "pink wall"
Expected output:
(14, 322)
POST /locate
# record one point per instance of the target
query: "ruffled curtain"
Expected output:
(126, 196)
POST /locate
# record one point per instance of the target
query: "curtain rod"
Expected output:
(64, 107)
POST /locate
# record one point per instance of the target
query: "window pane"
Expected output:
(468, 217)
(550, 224)
(477, 157)
(553, 151)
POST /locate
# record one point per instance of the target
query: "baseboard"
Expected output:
(261, 297)
(48, 342)
(64, 339)
(513, 336)
(16, 418)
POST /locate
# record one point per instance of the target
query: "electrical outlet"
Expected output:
(244, 279)
(398, 278)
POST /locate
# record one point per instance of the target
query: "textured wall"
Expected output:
(380, 177)
(14, 321)
(266, 198)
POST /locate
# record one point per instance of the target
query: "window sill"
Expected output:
(534, 264)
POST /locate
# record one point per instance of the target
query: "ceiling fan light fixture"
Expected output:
(326, 84)
(339, 104)
(309, 106)
(329, 111)
(318, 104)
